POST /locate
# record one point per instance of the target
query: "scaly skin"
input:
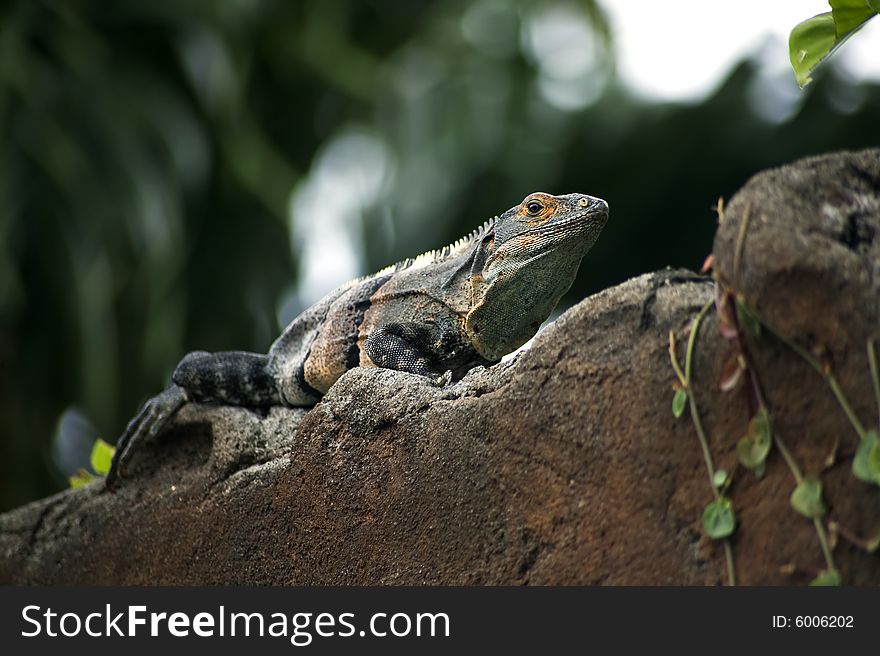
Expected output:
(437, 316)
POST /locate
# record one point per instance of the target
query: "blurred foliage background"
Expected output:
(190, 175)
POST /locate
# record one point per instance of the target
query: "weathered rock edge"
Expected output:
(564, 466)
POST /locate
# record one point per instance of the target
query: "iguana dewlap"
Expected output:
(437, 315)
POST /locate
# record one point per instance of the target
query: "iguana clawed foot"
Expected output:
(145, 426)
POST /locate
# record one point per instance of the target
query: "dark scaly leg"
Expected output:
(417, 348)
(401, 346)
(230, 378)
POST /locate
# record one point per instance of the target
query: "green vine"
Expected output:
(719, 520)
(806, 498)
(866, 463)
(828, 375)
(738, 322)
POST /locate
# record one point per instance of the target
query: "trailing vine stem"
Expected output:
(740, 243)
(814, 362)
(684, 378)
(758, 392)
(870, 545)
(698, 424)
(829, 377)
(821, 534)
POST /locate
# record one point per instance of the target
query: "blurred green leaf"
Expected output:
(866, 464)
(807, 498)
(809, 44)
(817, 38)
(102, 456)
(753, 448)
(827, 577)
(718, 519)
(678, 402)
(82, 477)
(850, 15)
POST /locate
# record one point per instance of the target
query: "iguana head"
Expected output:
(537, 249)
(543, 222)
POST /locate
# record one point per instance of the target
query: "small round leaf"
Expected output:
(759, 426)
(827, 577)
(719, 521)
(807, 498)
(678, 402)
(719, 478)
(866, 464)
(753, 448)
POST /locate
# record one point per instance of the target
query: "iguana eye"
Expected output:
(534, 207)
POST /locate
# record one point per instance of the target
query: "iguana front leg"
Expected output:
(232, 378)
(417, 348)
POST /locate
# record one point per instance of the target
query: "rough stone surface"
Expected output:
(809, 262)
(564, 465)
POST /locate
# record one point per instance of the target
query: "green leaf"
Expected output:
(850, 15)
(809, 43)
(720, 478)
(826, 577)
(679, 401)
(102, 456)
(761, 469)
(807, 498)
(816, 39)
(753, 448)
(80, 478)
(866, 464)
(718, 519)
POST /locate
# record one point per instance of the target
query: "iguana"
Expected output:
(436, 315)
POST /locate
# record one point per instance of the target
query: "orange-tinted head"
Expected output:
(543, 220)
